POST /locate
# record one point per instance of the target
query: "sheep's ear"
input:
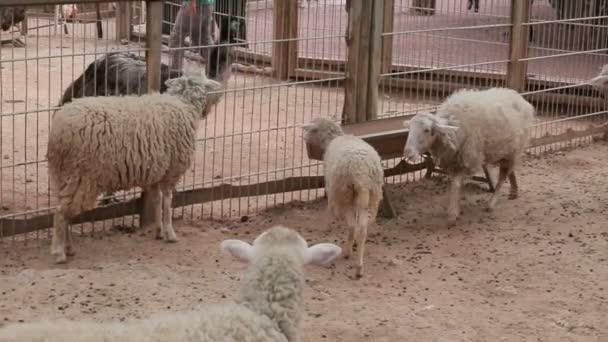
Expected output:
(448, 133)
(406, 123)
(321, 254)
(238, 249)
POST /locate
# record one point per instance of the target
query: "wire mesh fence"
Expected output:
(283, 63)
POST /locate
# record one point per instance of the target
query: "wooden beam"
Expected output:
(285, 15)
(123, 21)
(387, 41)
(32, 3)
(518, 46)
(154, 13)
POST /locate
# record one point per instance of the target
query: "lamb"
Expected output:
(353, 181)
(268, 308)
(105, 144)
(472, 129)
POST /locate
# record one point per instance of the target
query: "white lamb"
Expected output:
(268, 308)
(472, 129)
(353, 181)
(106, 144)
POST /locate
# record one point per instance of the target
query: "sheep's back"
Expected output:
(349, 159)
(123, 142)
(494, 121)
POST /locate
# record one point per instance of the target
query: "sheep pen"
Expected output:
(535, 267)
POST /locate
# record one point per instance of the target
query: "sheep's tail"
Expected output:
(365, 204)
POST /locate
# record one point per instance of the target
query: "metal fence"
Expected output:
(293, 64)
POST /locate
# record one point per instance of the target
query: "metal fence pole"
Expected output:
(123, 20)
(518, 46)
(154, 15)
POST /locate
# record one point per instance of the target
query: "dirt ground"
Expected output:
(534, 270)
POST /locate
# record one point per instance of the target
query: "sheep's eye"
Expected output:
(426, 130)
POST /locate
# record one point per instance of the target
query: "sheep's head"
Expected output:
(11, 16)
(600, 82)
(283, 238)
(197, 90)
(424, 130)
(321, 131)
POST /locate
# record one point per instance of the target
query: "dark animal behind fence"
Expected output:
(11, 16)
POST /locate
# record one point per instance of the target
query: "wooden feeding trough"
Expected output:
(388, 137)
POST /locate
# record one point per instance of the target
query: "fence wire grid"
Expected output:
(253, 134)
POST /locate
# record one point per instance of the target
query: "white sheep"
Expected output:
(268, 308)
(600, 82)
(472, 129)
(353, 180)
(104, 144)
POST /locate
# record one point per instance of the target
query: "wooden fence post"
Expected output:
(123, 20)
(285, 26)
(387, 41)
(518, 46)
(364, 60)
(154, 15)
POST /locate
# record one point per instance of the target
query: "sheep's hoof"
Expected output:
(61, 258)
(171, 237)
(513, 195)
(70, 251)
(452, 221)
(359, 272)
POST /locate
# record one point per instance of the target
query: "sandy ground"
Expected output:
(535, 270)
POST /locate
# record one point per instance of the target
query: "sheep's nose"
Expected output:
(408, 153)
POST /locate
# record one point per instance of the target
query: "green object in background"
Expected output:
(201, 2)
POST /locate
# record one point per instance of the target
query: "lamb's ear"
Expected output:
(238, 249)
(448, 134)
(321, 254)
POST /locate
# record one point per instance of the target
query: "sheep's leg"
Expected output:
(152, 206)
(514, 192)
(69, 249)
(502, 176)
(167, 225)
(363, 220)
(60, 230)
(454, 200)
(351, 222)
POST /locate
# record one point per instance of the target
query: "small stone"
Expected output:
(395, 262)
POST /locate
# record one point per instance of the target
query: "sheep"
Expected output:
(269, 306)
(472, 129)
(354, 179)
(105, 144)
(11, 16)
(600, 82)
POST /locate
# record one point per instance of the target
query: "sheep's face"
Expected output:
(424, 130)
(280, 237)
(321, 131)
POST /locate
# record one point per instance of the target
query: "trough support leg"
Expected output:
(386, 207)
(430, 167)
(488, 178)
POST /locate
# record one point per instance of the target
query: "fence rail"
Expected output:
(379, 59)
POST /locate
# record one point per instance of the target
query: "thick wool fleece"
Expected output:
(104, 144)
(229, 322)
(493, 125)
(353, 175)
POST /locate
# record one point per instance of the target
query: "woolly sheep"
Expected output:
(472, 129)
(600, 82)
(268, 308)
(104, 144)
(353, 181)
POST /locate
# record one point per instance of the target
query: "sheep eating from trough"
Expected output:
(471, 129)
(106, 144)
(268, 308)
(353, 181)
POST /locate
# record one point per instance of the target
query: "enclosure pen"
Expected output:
(288, 62)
